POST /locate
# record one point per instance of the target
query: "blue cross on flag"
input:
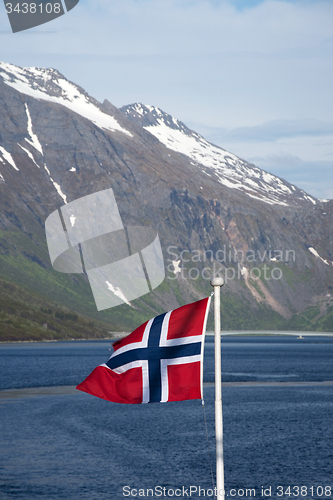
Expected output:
(162, 360)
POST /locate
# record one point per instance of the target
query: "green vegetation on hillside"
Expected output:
(35, 280)
(24, 316)
(37, 303)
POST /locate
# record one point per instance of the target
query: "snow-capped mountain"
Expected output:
(50, 85)
(227, 168)
(58, 144)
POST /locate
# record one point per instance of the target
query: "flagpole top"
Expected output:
(217, 281)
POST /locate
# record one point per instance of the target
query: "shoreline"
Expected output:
(69, 390)
(120, 335)
(115, 336)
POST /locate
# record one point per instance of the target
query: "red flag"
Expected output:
(160, 361)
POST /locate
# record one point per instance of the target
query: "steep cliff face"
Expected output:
(213, 211)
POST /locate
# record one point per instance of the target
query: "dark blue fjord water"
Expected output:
(58, 443)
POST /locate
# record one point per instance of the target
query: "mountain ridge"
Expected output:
(51, 154)
(218, 159)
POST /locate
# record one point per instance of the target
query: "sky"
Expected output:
(252, 76)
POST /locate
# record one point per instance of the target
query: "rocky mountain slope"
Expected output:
(224, 167)
(213, 211)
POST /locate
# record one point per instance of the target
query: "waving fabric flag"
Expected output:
(160, 361)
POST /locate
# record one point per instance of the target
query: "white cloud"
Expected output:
(309, 139)
(273, 131)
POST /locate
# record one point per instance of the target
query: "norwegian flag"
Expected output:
(160, 361)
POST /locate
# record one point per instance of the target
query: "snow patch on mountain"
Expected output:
(306, 196)
(56, 185)
(316, 254)
(118, 293)
(230, 170)
(29, 155)
(227, 168)
(34, 139)
(8, 157)
(50, 85)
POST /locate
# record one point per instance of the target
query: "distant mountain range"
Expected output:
(213, 211)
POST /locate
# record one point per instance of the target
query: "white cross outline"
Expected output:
(164, 342)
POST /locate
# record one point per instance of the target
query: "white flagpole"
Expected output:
(217, 283)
